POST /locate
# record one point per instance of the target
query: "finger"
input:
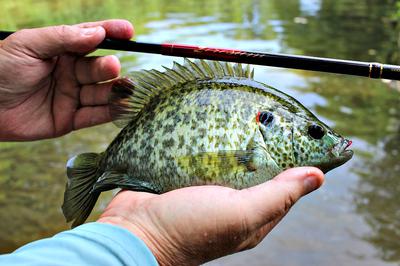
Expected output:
(115, 28)
(95, 94)
(45, 43)
(90, 70)
(271, 200)
(91, 116)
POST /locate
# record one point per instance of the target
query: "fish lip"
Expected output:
(341, 148)
(343, 154)
(340, 155)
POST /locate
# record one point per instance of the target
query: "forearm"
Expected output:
(89, 244)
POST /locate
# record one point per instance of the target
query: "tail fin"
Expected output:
(79, 200)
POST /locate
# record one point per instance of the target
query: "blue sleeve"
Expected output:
(88, 244)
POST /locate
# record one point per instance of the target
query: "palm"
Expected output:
(188, 217)
(207, 222)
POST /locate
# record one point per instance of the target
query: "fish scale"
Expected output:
(201, 123)
(157, 162)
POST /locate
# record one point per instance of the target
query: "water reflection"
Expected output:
(362, 30)
(377, 197)
(370, 112)
(361, 197)
(32, 183)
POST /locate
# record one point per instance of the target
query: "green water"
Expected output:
(354, 219)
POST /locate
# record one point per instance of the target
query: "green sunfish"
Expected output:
(200, 123)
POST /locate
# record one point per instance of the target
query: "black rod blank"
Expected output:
(330, 65)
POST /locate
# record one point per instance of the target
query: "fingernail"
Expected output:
(89, 31)
(310, 184)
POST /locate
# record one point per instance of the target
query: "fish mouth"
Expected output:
(340, 155)
(341, 149)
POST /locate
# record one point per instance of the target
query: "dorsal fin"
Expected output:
(131, 94)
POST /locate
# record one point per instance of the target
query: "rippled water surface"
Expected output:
(354, 219)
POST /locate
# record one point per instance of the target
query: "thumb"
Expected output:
(273, 199)
(47, 42)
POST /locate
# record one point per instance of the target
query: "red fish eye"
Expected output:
(265, 118)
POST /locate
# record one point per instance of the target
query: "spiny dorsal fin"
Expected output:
(131, 94)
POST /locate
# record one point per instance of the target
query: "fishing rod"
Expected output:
(330, 65)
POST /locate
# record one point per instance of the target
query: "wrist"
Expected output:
(162, 251)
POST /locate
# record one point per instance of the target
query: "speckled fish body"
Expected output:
(180, 139)
(206, 123)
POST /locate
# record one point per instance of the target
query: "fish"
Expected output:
(199, 123)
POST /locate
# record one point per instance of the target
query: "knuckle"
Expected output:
(63, 29)
(71, 38)
(62, 32)
(251, 242)
(289, 201)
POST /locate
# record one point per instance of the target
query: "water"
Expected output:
(354, 219)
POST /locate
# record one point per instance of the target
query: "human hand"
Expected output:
(47, 85)
(193, 225)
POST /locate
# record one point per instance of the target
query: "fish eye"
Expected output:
(316, 131)
(265, 118)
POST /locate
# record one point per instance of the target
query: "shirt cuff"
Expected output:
(121, 241)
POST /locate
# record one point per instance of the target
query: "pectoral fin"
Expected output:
(266, 165)
(217, 163)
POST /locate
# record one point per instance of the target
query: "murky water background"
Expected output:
(354, 219)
